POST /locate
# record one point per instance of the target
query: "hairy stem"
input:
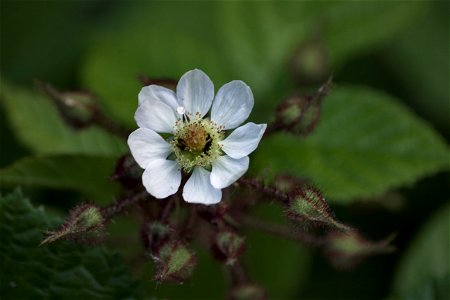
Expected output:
(267, 190)
(122, 204)
(279, 230)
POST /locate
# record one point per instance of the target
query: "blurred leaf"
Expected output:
(424, 71)
(38, 125)
(364, 144)
(259, 47)
(159, 39)
(85, 174)
(59, 271)
(33, 47)
(424, 271)
(156, 39)
(354, 28)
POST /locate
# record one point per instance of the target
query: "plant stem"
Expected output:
(122, 204)
(239, 275)
(279, 230)
(269, 191)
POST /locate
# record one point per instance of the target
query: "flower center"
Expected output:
(196, 143)
(194, 137)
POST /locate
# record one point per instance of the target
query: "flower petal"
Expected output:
(155, 92)
(156, 115)
(198, 188)
(232, 105)
(162, 178)
(226, 170)
(243, 140)
(146, 146)
(196, 91)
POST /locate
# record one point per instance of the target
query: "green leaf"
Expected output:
(424, 270)
(365, 144)
(39, 126)
(85, 174)
(59, 271)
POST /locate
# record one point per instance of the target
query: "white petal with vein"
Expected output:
(232, 105)
(195, 91)
(146, 146)
(226, 170)
(243, 140)
(162, 178)
(198, 188)
(159, 93)
(156, 115)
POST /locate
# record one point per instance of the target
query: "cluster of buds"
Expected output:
(167, 232)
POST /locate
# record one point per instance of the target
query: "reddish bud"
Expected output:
(78, 109)
(175, 263)
(300, 114)
(308, 205)
(85, 223)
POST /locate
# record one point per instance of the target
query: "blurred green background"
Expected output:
(380, 152)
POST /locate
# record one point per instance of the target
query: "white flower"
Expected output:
(194, 141)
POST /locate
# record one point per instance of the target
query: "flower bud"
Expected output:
(248, 292)
(175, 263)
(84, 223)
(346, 250)
(78, 109)
(228, 246)
(300, 114)
(308, 205)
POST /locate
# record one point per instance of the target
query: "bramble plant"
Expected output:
(188, 157)
(224, 149)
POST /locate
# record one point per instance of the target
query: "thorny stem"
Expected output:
(122, 204)
(239, 275)
(269, 191)
(279, 230)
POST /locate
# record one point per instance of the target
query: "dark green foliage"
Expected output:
(58, 271)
